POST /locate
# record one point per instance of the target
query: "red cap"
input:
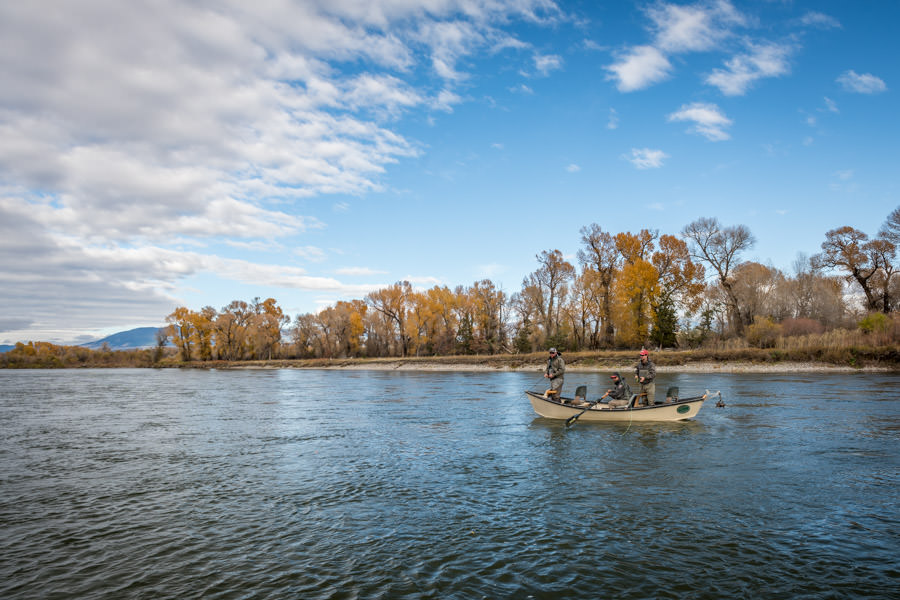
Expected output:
(644, 353)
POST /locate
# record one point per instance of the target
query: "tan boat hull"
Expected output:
(680, 410)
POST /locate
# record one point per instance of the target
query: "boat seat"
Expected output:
(580, 394)
(672, 394)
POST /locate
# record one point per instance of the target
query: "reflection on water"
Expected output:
(316, 484)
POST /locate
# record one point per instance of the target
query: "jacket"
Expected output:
(556, 366)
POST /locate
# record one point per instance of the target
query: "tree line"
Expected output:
(624, 290)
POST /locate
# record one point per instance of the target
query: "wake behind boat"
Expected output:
(677, 409)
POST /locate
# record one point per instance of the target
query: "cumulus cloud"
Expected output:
(819, 20)
(674, 29)
(638, 68)
(707, 120)
(861, 84)
(521, 89)
(742, 71)
(646, 158)
(692, 28)
(129, 132)
(310, 253)
(546, 63)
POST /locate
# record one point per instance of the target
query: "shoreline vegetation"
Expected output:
(667, 361)
(745, 360)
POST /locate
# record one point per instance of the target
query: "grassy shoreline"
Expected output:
(702, 361)
(743, 360)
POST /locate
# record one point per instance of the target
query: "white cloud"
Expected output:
(310, 253)
(676, 29)
(131, 131)
(445, 100)
(545, 63)
(692, 28)
(831, 105)
(708, 120)
(573, 168)
(819, 20)
(646, 158)
(742, 71)
(521, 89)
(613, 121)
(862, 84)
(359, 271)
(638, 68)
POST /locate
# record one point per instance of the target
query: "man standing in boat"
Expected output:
(556, 368)
(645, 373)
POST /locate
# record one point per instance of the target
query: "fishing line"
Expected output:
(630, 418)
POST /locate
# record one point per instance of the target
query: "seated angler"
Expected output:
(621, 394)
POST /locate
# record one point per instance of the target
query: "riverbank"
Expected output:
(742, 360)
(670, 361)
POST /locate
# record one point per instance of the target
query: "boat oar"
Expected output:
(574, 418)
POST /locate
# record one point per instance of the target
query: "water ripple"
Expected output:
(235, 485)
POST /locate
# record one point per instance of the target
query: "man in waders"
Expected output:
(645, 373)
(556, 368)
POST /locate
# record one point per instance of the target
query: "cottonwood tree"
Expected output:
(488, 307)
(600, 256)
(847, 249)
(231, 330)
(305, 334)
(891, 228)
(761, 292)
(720, 248)
(204, 331)
(883, 253)
(636, 285)
(181, 329)
(681, 283)
(548, 287)
(441, 322)
(393, 303)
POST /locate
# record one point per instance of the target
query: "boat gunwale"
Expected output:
(540, 396)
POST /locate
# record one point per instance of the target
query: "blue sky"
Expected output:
(158, 154)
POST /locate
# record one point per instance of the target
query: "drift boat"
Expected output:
(676, 409)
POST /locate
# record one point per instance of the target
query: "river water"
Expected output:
(370, 484)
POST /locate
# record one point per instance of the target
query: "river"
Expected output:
(318, 484)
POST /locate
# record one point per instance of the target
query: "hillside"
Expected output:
(141, 337)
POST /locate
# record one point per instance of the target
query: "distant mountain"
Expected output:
(142, 337)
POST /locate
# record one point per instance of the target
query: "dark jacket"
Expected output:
(556, 366)
(647, 371)
(621, 391)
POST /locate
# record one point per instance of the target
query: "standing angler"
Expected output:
(556, 368)
(645, 373)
